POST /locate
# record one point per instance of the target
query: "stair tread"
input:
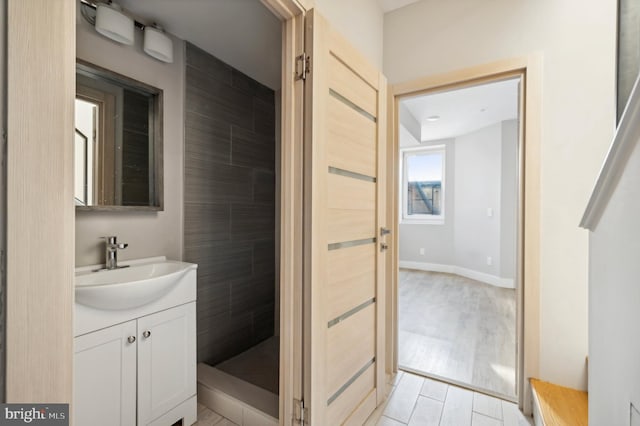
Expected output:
(560, 406)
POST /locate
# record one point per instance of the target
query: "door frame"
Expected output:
(291, 161)
(529, 68)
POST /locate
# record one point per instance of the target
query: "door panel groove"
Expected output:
(354, 175)
(350, 381)
(352, 105)
(351, 312)
(345, 244)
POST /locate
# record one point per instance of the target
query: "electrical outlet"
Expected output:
(489, 261)
(421, 252)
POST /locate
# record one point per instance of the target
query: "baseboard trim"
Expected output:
(453, 269)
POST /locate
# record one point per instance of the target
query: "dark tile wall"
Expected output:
(229, 205)
(135, 149)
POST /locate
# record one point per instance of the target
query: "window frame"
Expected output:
(428, 219)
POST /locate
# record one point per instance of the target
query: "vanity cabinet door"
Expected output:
(166, 361)
(105, 377)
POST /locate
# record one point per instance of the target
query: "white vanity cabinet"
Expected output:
(151, 360)
(166, 361)
(137, 366)
(105, 377)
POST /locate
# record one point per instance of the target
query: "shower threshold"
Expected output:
(239, 400)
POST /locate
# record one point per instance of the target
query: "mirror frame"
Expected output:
(158, 166)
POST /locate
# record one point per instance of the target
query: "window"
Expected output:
(423, 185)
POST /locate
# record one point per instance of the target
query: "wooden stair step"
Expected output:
(560, 406)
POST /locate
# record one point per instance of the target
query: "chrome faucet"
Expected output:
(111, 252)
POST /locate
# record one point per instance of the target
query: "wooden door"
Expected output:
(344, 213)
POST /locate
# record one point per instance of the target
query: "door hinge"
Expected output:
(299, 412)
(303, 66)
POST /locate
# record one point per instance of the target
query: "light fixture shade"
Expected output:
(158, 44)
(112, 23)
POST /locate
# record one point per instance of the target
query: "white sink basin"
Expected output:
(131, 287)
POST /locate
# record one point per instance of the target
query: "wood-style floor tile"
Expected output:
(434, 389)
(512, 416)
(426, 413)
(386, 421)
(457, 407)
(487, 405)
(454, 327)
(207, 417)
(403, 399)
(482, 420)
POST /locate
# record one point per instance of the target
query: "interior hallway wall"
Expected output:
(360, 22)
(614, 343)
(147, 233)
(229, 204)
(577, 44)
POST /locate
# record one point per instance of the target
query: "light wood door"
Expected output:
(166, 361)
(105, 377)
(344, 213)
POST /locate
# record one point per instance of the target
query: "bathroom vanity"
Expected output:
(135, 344)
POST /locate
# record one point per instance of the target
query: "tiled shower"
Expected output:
(229, 205)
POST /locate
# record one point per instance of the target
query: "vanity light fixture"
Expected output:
(157, 44)
(111, 22)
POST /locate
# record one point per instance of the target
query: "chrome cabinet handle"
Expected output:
(131, 339)
(146, 334)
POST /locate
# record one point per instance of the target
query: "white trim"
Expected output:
(458, 270)
(624, 141)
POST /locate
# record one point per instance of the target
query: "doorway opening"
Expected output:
(459, 217)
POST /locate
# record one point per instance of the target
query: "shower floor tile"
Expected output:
(258, 365)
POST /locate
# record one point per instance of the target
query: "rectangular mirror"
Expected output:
(117, 142)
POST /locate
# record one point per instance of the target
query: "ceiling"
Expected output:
(212, 24)
(389, 5)
(464, 110)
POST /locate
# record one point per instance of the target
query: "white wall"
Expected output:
(614, 304)
(409, 123)
(360, 22)
(148, 234)
(480, 174)
(509, 199)
(577, 43)
(476, 235)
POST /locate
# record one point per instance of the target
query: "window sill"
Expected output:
(439, 221)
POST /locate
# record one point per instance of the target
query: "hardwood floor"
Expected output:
(458, 329)
(417, 401)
